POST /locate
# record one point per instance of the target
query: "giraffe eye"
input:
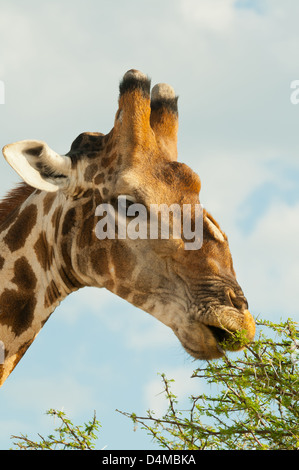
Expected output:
(124, 202)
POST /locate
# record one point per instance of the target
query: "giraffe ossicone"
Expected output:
(49, 245)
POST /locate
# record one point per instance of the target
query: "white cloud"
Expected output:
(214, 15)
(89, 300)
(17, 36)
(228, 178)
(143, 334)
(65, 394)
(270, 262)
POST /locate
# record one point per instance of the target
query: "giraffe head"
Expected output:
(193, 291)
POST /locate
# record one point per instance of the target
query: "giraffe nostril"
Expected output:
(236, 301)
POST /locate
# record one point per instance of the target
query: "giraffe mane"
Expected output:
(13, 199)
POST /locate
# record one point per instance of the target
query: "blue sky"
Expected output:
(231, 63)
(256, 5)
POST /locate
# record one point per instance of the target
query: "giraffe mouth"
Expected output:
(219, 334)
(233, 337)
(210, 340)
(224, 340)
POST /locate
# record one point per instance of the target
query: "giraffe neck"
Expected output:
(33, 280)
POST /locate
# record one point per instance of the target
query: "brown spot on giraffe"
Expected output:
(123, 260)
(99, 261)
(90, 172)
(88, 194)
(65, 253)
(19, 302)
(100, 178)
(52, 294)
(140, 299)
(123, 291)
(44, 251)
(48, 201)
(17, 309)
(20, 230)
(24, 277)
(69, 221)
(55, 220)
(88, 209)
(87, 235)
(69, 279)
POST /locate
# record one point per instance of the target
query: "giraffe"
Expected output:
(49, 248)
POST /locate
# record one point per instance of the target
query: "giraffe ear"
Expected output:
(38, 165)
